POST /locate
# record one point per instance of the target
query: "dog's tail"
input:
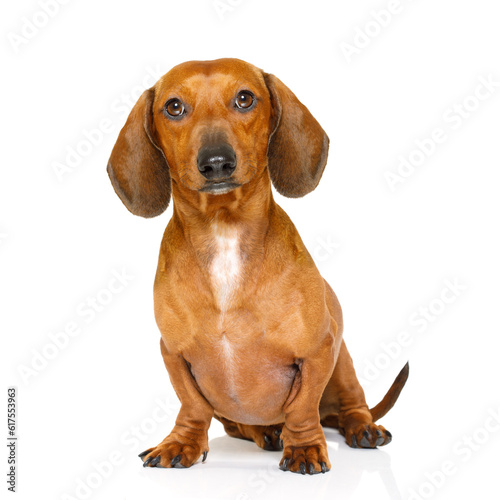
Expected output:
(392, 395)
(384, 406)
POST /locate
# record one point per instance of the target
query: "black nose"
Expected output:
(216, 162)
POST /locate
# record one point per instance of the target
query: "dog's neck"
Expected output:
(226, 233)
(244, 212)
(240, 217)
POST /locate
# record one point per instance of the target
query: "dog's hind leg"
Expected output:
(343, 405)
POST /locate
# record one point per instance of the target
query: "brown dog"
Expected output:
(250, 331)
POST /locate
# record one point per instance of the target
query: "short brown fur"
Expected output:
(250, 331)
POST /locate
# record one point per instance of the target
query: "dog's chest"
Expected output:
(226, 264)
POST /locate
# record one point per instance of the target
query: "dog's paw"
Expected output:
(269, 438)
(172, 454)
(367, 436)
(305, 459)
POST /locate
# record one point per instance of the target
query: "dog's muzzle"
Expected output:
(217, 163)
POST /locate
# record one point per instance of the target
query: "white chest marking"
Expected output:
(226, 264)
(227, 357)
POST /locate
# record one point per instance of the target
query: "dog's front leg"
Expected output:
(189, 437)
(304, 445)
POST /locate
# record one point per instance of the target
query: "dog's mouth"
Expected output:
(222, 187)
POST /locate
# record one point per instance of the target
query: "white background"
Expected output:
(385, 252)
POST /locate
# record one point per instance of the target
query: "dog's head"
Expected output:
(211, 127)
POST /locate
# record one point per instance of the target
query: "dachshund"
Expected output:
(251, 334)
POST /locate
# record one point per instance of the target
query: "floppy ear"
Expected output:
(137, 167)
(298, 146)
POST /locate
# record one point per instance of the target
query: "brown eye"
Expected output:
(244, 100)
(174, 108)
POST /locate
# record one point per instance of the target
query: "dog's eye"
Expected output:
(174, 107)
(244, 100)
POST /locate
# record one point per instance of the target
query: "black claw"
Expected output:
(323, 467)
(380, 441)
(311, 469)
(175, 460)
(388, 434)
(205, 453)
(147, 462)
(379, 433)
(143, 454)
(277, 433)
(284, 464)
(155, 461)
(268, 444)
(354, 443)
(302, 468)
